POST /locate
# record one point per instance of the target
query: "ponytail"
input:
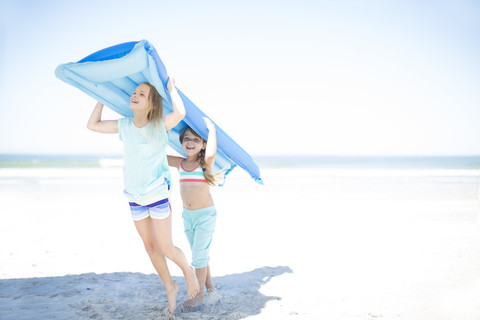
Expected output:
(210, 177)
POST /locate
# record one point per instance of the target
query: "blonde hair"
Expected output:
(210, 177)
(155, 112)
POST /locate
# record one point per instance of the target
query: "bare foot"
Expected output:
(212, 296)
(210, 290)
(196, 301)
(192, 283)
(172, 297)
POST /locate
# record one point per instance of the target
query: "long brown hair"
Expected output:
(210, 177)
(156, 105)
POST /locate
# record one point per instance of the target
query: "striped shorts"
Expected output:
(156, 210)
(154, 203)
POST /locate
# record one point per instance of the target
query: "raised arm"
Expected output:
(95, 122)
(173, 118)
(211, 149)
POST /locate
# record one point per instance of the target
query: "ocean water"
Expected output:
(304, 178)
(272, 161)
(311, 168)
(321, 177)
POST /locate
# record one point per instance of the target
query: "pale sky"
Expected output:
(280, 77)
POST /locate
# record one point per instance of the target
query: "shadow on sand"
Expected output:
(129, 296)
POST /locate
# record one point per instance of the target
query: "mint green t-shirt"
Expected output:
(145, 156)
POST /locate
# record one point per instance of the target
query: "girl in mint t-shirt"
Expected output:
(147, 178)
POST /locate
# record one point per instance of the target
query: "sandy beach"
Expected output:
(311, 243)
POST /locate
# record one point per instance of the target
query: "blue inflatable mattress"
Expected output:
(112, 74)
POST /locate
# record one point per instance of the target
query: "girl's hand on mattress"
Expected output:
(209, 123)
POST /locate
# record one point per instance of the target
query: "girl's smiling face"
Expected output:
(192, 144)
(139, 99)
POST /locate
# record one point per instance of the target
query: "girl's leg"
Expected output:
(212, 296)
(163, 232)
(209, 282)
(198, 299)
(145, 230)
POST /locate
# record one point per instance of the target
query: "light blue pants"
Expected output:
(199, 226)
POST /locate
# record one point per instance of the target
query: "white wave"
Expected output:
(111, 162)
(372, 172)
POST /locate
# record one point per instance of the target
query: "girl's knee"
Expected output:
(167, 250)
(151, 247)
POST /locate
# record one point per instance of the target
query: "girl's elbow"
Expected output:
(182, 113)
(92, 127)
(179, 109)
